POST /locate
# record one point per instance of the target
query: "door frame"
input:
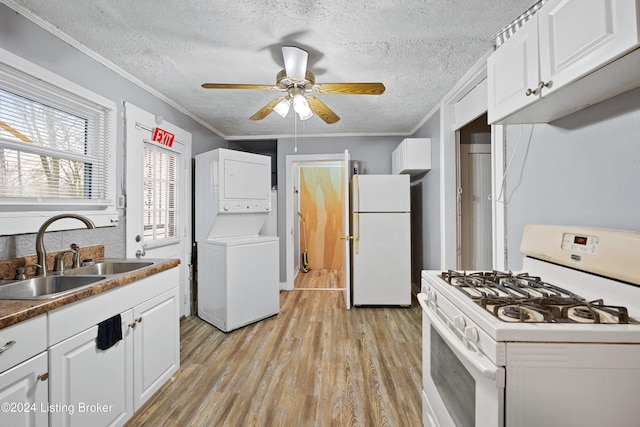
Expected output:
(136, 115)
(456, 112)
(293, 163)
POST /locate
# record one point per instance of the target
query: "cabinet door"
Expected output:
(23, 395)
(156, 344)
(512, 73)
(92, 387)
(579, 36)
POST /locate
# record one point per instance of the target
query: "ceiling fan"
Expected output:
(299, 86)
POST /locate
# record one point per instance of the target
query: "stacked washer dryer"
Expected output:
(238, 269)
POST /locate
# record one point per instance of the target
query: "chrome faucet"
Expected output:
(40, 251)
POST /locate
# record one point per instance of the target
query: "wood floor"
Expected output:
(319, 279)
(314, 364)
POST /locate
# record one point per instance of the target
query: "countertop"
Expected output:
(14, 311)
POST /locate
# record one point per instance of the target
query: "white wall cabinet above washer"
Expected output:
(571, 54)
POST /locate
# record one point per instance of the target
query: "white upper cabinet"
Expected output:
(571, 54)
(512, 70)
(412, 156)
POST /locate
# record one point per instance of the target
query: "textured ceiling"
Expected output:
(418, 48)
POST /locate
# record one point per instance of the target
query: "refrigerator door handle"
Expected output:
(356, 232)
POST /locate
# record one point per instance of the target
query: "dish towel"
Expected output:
(109, 332)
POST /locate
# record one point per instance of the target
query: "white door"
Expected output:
(158, 188)
(476, 218)
(346, 235)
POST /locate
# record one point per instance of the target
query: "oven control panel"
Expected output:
(580, 243)
(606, 252)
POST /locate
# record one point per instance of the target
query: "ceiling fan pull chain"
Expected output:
(295, 133)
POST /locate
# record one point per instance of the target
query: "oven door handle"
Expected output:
(479, 362)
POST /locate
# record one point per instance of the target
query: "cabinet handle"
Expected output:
(132, 325)
(43, 377)
(135, 323)
(542, 85)
(139, 320)
(537, 90)
(7, 346)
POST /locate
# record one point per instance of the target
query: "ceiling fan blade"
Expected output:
(350, 88)
(321, 110)
(267, 109)
(236, 86)
(295, 62)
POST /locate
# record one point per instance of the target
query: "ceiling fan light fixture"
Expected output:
(282, 107)
(301, 106)
(296, 80)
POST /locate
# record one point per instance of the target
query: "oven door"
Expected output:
(461, 386)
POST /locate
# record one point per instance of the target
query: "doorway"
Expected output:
(462, 105)
(321, 210)
(474, 247)
(294, 232)
(320, 225)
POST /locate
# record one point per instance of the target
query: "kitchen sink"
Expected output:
(44, 287)
(107, 267)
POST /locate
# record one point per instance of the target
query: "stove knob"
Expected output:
(431, 296)
(471, 334)
(459, 322)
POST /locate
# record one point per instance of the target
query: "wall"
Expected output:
(425, 206)
(24, 38)
(580, 170)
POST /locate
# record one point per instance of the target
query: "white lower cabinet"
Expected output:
(92, 387)
(23, 393)
(156, 354)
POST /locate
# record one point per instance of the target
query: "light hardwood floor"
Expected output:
(314, 364)
(319, 279)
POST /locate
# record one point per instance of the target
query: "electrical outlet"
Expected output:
(122, 201)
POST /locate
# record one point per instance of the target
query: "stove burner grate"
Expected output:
(596, 312)
(524, 298)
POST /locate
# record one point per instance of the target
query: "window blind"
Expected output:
(54, 146)
(160, 199)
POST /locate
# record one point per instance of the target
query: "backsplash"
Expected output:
(111, 238)
(8, 266)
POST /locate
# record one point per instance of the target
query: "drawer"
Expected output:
(76, 317)
(21, 341)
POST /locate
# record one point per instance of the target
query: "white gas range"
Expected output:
(558, 344)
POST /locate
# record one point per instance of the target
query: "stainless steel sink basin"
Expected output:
(44, 287)
(108, 267)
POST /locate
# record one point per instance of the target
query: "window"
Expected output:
(160, 194)
(57, 144)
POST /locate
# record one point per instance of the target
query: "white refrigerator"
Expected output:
(381, 250)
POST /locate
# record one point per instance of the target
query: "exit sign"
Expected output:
(163, 137)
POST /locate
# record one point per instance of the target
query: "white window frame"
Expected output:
(28, 219)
